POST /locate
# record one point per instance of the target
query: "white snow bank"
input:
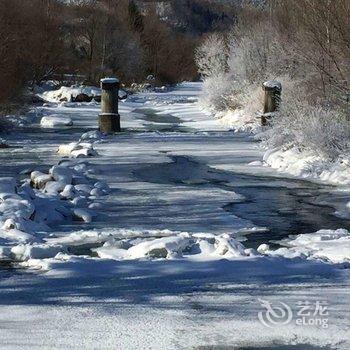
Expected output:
(308, 165)
(68, 94)
(53, 121)
(329, 245)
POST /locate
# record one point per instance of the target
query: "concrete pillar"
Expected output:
(109, 119)
(272, 98)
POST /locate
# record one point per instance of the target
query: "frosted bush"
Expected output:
(211, 56)
(325, 132)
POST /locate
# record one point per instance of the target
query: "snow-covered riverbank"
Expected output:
(301, 163)
(160, 261)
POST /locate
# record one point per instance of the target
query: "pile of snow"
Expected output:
(76, 93)
(332, 246)
(308, 165)
(55, 121)
(72, 94)
(77, 149)
(328, 245)
(178, 245)
(200, 246)
(64, 193)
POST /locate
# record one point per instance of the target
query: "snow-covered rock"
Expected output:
(81, 215)
(166, 247)
(228, 247)
(329, 245)
(61, 173)
(70, 94)
(39, 179)
(68, 192)
(77, 150)
(53, 121)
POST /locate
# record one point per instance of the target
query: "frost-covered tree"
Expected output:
(211, 56)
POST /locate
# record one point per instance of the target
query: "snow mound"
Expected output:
(72, 94)
(53, 121)
(328, 245)
(77, 150)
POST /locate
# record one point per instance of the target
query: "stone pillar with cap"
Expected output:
(272, 98)
(109, 118)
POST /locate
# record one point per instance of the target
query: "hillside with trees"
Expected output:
(44, 39)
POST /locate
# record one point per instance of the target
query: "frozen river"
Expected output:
(173, 169)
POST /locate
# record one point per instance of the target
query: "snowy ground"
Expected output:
(173, 207)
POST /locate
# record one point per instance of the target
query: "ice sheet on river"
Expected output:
(163, 265)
